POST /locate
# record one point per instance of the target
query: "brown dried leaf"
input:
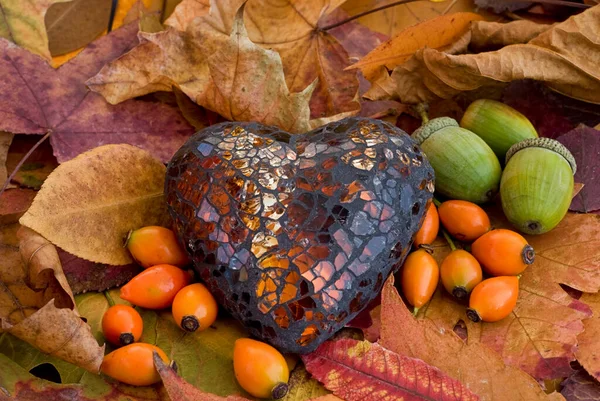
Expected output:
(581, 387)
(186, 11)
(14, 203)
(5, 141)
(438, 33)
(565, 57)
(493, 35)
(239, 80)
(588, 352)
(89, 204)
(475, 365)
(37, 305)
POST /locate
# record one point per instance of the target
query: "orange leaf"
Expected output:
(360, 370)
(540, 336)
(588, 352)
(437, 33)
(478, 367)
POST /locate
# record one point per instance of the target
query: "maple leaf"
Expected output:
(475, 365)
(588, 354)
(22, 22)
(584, 144)
(540, 335)
(41, 100)
(359, 370)
(227, 74)
(89, 204)
(563, 57)
(37, 305)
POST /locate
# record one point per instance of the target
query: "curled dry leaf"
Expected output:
(588, 354)
(565, 57)
(359, 370)
(475, 365)
(584, 144)
(493, 35)
(581, 387)
(22, 22)
(227, 74)
(540, 335)
(38, 99)
(89, 204)
(37, 305)
(438, 33)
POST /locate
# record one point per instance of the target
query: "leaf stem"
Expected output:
(449, 240)
(422, 111)
(436, 202)
(396, 3)
(22, 161)
(111, 301)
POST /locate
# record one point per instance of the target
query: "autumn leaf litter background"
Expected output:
(113, 107)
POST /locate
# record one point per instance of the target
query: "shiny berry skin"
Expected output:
(133, 364)
(503, 252)
(429, 229)
(155, 245)
(460, 272)
(155, 287)
(122, 325)
(493, 299)
(464, 220)
(420, 276)
(260, 369)
(194, 308)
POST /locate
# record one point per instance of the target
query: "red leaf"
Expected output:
(356, 370)
(581, 387)
(584, 144)
(38, 99)
(13, 203)
(180, 390)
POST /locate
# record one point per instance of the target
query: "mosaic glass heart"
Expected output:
(295, 234)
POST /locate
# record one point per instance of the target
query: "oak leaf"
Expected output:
(22, 22)
(540, 335)
(474, 364)
(437, 33)
(38, 99)
(564, 57)
(588, 354)
(37, 305)
(359, 370)
(89, 204)
(584, 144)
(227, 74)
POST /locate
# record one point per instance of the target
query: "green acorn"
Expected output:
(537, 184)
(465, 166)
(499, 125)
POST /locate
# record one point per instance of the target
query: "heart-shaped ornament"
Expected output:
(296, 234)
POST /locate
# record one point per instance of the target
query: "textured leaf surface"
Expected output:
(302, 386)
(39, 99)
(540, 336)
(36, 304)
(437, 33)
(584, 144)
(356, 370)
(38, 165)
(14, 203)
(563, 57)
(89, 204)
(474, 364)
(5, 141)
(22, 22)
(581, 387)
(588, 351)
(227, 74)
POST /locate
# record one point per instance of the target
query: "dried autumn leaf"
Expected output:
(437, 33)
(588, 353)
(474, 364)
(13, 204)
(302, 386)
(5, 141)
(584, 144)
(581, 387)
(38, 99)
(359, 370)
(37, 305)
(89, 204)
(186, 11)
(22, 22)
(493, 35)
(239, 80)
(540, 335)
(38, 165)
(179, 389)
(564, 57)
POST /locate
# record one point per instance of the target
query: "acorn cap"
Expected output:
(545, 143)
(425, 131)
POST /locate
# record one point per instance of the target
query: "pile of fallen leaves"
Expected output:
(94, 100)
